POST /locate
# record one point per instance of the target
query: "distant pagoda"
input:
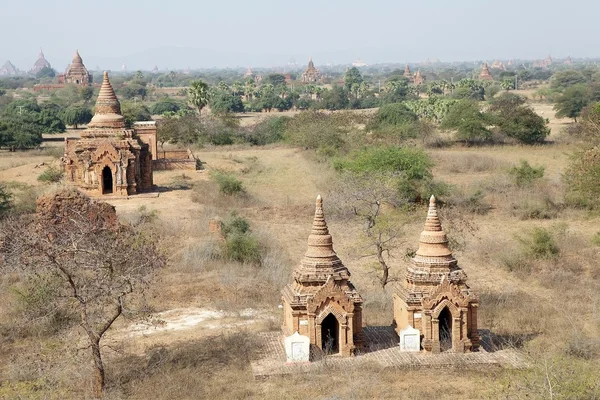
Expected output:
(8, 69)
(407, 73)
(40, 64)
(418, 78)
(311, 74)
(76, 73)
(485, 74)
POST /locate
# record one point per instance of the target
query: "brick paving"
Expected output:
(381, 348)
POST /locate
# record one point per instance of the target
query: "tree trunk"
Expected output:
(384, 267)
(100, 377)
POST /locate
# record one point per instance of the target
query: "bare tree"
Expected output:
(372, 198)
(101, 263)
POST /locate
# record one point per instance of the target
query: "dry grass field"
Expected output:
(200, 334)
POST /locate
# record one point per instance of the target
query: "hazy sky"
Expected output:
(200, 34)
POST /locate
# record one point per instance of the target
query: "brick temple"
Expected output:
(434, 297)
(111, 158)
(321, 302)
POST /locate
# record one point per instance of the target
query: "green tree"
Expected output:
(565, 79)
(165, 105)
(225, 101)
(335, 99)
(469, 122)
(45, 72)
(409, 167)
(86, 93)
(50, 118)
(20, 132)
(198, 94)
(514, 118)
(133, 90)
(353, 78)
(508, 84)
(572, 102)
(176, 128)
(394, 114)
(275, 80)
(134, 112)
(77, 115)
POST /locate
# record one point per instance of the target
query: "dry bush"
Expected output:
(460, 163)
(540, 200)
(206, 192)
(208, 368)
(377, 307)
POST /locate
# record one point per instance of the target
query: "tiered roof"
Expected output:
(108, 109)
(320, 260)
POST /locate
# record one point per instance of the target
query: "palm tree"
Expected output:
(318, 91)
(198, 94)
(237, 88)
(250, 89)
(223, 86)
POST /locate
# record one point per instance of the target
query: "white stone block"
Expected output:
(410, 339)
(297, 348)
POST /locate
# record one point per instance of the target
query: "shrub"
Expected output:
(51, 175)
(269, 130)
(583, 178)
(596, 239)
(165, 105)
(228, 184)
(242, 247)
(540, 244)
(5, 201)
(413, 163)
(409, 167)
(525, 174)
(517, 120)
(468, 121)
(394, 114)
(235, 224)
(315, 130)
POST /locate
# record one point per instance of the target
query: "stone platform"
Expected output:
(381, 349)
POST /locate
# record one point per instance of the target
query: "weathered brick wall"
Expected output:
(164, 165)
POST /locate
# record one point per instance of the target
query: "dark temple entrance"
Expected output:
(107, 181)
(445, 324)
(330, 335)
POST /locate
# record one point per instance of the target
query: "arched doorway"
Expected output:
(107, 181)
(330, 335)
(445, 325)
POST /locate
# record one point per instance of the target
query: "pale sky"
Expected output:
(263, 33)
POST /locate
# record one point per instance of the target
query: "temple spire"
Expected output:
(320, 244)
(108, 108)
(433, 243)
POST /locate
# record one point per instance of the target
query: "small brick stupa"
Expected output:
(111, 158)
(434, 296)
(321, 302)
(485, 74)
